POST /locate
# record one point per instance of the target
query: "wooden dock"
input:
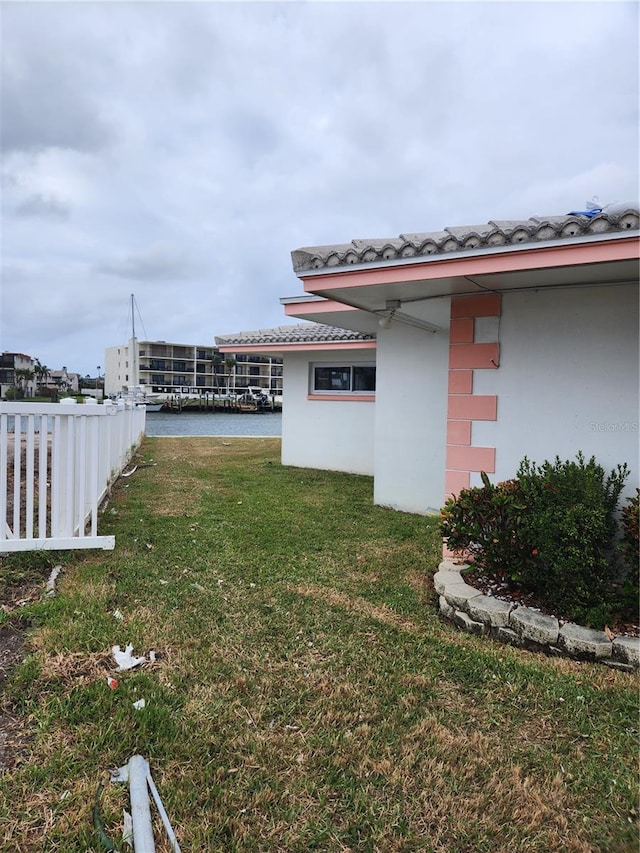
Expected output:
(208, 403)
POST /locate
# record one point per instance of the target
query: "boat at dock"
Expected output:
(240, 402)
(140, 397)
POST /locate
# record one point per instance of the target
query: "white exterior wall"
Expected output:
(326, 434)
(568, 379)
(116, 368)
(411, 413)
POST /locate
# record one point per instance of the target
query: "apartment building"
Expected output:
(11, 363)
(171, 368)
(63, 379)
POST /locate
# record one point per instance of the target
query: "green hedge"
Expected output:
(630, 549)
(552, 530)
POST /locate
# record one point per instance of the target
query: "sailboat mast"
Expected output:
(134, 345)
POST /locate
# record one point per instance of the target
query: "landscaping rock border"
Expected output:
(525, 627)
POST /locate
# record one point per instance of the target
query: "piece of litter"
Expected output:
(112, 682)
(118, 615)
(163, 582)
(152, 656)
(139, 704)
(50, 588)
(127, 829)
(125, 659)
(129, 473)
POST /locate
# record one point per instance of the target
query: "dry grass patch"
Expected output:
(357, 605)
(198, 452)
(181, 492)
(75, 669)
(177, 499)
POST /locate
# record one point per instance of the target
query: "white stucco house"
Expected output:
(489, 342)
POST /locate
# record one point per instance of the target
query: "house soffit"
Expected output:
(374, 297)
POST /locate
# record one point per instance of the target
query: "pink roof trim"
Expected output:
(539, 258)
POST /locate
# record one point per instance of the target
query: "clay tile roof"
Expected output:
(301, 333)
(613, 218)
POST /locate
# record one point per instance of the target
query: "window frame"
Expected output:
(347, 393)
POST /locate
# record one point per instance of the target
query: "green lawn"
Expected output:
(306, 695)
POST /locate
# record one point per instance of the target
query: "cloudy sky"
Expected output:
(180, 151)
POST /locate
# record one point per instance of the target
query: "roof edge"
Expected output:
(468, 242)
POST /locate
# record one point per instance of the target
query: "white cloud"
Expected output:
(182, 150)
(159, 263)
(47, 207)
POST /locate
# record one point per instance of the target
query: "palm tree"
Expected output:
(216, 360)
(42, 373)
(36, 369)
(24, 375)
(230, 363)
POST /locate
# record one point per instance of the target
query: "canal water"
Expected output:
(213, 423)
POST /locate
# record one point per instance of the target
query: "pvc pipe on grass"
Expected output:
(140, 808)
(138, 775)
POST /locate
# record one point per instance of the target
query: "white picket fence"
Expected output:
(57, 462)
